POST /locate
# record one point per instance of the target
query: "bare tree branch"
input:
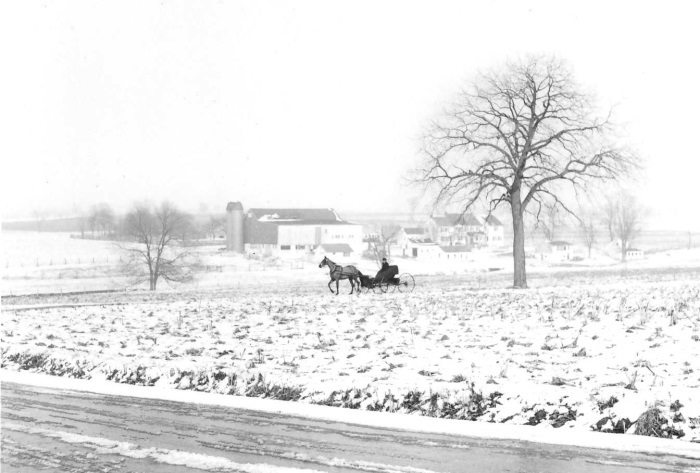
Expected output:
(520, 135)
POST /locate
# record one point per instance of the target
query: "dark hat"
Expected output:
(383, 259)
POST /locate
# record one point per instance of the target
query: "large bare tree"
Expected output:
(520, 136)
(153, 248)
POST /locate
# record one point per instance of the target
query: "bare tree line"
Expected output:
(619, 214)
(102, 222)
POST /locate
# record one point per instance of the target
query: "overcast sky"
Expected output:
(309, 103)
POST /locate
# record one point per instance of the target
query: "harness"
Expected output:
(337, 268)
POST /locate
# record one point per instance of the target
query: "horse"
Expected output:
(338, 272)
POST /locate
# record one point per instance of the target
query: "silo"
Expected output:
(234, 227)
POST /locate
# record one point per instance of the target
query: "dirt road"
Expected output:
(46, 429)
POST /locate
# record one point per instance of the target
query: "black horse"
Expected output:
(338, 272)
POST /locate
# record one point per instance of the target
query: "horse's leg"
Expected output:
(329, 285)
(352, 285)
(337, 286)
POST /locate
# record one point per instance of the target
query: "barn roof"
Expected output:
(294, 214)
(297, 216)
(336, 248)
(308, 222)
(414, 231)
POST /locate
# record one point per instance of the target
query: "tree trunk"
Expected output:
(151, 279)
(623, 247)
(519, 274)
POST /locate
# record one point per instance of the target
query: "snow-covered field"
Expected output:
(582, 350)
(568, 359)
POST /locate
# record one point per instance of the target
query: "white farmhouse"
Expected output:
(467, 230)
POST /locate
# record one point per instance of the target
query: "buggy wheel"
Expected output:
(406, 283)
(383, 287)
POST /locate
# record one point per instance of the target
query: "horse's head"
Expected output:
(323, 263)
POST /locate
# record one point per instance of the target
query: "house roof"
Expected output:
(633, 249)
(422, 241)
(453, 220)
(336, 248)
(442, 221)
(414, 231)
(493, 221)
(455, 249)
(467, 219)
(560, 243)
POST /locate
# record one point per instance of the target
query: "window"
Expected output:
(301, 247)
(285, 247)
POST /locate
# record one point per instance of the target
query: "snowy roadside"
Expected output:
(428, 425)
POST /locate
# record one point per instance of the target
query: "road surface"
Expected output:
(47, 429)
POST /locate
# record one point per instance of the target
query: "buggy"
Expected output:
(388, 280)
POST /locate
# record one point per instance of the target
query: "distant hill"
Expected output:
(72, 224)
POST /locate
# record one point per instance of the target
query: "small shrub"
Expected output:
(652, 424)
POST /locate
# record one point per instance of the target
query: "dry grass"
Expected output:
(651, 423)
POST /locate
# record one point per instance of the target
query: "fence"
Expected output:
(73, 261)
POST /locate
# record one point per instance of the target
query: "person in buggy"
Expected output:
(386, 272)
